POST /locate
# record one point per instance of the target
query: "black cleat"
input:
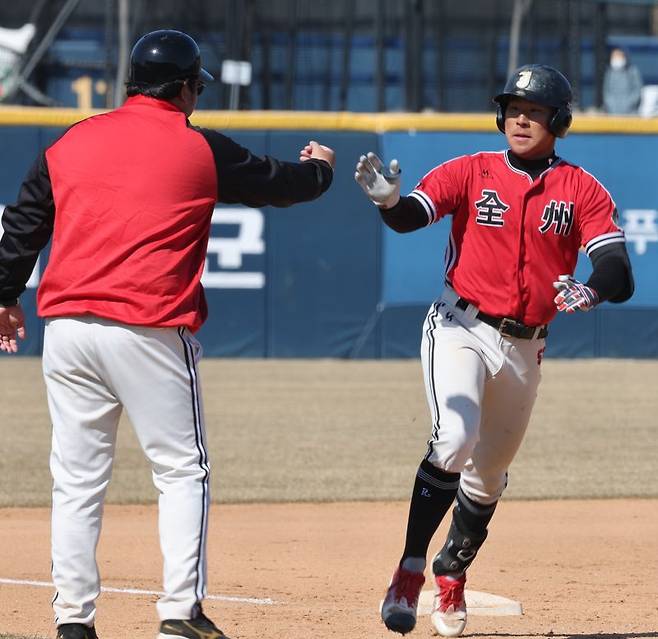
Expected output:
(198, 628)
(76, 631)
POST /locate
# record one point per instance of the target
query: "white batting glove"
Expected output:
(574, 295)
(381, 186)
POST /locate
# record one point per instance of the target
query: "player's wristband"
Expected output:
(8, 302)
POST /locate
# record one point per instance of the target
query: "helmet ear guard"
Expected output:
(561, 121)
(500, 117)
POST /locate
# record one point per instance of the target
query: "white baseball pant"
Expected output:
(93, 369)
(481, 388)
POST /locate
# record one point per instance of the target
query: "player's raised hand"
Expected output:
(380, 185)
(574, 295)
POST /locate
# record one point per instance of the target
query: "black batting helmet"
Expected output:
(163, 56)
(541, 84)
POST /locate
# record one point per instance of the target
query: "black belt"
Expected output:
(506, 326)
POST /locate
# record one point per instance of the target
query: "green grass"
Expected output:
(335, 430)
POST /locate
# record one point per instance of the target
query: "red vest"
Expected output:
(511, 236)
(134, 191)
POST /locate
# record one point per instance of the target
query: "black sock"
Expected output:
(433, 494)
(474, 517)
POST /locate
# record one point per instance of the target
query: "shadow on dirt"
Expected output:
(551, 635)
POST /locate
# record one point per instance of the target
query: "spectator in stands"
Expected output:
(622, 85)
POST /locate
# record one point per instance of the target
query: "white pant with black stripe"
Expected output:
(93, 369)
(481, 388)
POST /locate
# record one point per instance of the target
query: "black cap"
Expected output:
(166, 55)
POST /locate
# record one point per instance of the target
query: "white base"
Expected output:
(477, 604)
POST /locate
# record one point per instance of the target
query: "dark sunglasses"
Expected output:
(196, 85)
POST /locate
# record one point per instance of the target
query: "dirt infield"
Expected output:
(336, 433)
(580, 569)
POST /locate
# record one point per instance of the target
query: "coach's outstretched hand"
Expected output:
(574, 295)
(381, 186)
(316, 151)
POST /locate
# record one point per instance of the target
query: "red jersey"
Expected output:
(512, 236)
(134, 191)
(130, 195)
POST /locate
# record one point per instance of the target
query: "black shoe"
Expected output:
(76, 631)
(198, 628)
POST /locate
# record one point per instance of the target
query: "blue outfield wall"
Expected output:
(327, 279)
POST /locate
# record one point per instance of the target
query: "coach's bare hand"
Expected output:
(315, 151)
(12, 325)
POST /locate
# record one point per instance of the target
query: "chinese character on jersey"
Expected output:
(559, 214)
(490, 209)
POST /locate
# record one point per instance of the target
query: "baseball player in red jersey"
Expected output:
(128, 198)
(519, 218)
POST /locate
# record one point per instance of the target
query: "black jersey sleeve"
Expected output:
(248, 179)
(612, 276)
(406, 216)
(27, 227)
